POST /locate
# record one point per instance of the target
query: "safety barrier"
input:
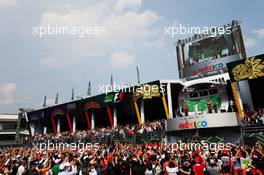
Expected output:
(107, 138)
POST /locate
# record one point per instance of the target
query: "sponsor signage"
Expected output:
(91, 104)
(71, 107)
(250, 68)
(228, 119)
(193, 124)
(148, 91)
(114, 97)
(57, 112)
(119, 96)
(210, 67)
(108, 98)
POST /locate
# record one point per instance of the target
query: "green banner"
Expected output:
(250, 68)
(109, 98)
(202, 103)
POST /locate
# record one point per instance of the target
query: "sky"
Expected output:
(120, 35)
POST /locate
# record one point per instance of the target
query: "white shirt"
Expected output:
(172, 171)
(20, 170)
(93, 172)
(74, 169)
(148, 172)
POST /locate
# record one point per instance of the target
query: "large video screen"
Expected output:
(209, 49)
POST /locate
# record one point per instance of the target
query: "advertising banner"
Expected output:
(91, 104)
(210, 67)
(228, 119)
(71, 107)
(148, 91)
(250, 68)
(109, 98)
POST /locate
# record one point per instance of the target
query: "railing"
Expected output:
(108, 138)
(111, 138)
(251, 129)
(4, 143)
(137, 138)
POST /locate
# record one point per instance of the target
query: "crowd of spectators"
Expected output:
(99, 134)
(129, 159)
(253, 117)
(116, 158)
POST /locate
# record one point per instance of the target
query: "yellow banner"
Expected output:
(250, 68)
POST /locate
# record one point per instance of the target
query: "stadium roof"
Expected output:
(8, 117)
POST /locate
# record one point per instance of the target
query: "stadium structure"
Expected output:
(10, 133)
(203, 101)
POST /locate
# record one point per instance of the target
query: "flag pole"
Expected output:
(89, 89)
(138, 77)
(72, 97)
(57, 98)
(112, 82)
(45, 102)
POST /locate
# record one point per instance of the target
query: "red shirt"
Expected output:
(198, 169)
(254, 171)
(164, 167)
(1, 168)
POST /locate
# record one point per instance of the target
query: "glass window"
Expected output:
(193, 94)
(203, 93)
(9, 125)
(212, 91)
